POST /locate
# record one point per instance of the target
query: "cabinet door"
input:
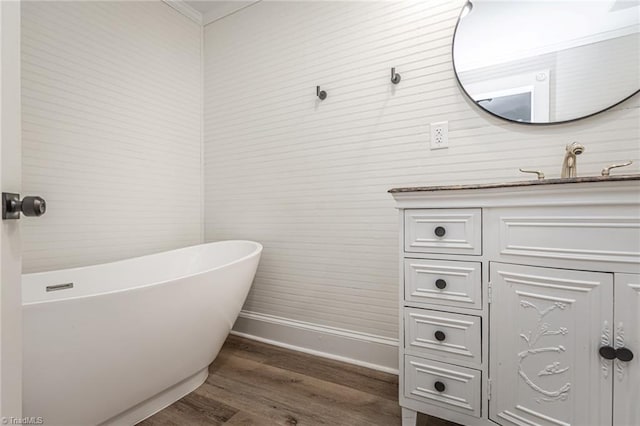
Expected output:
(626, 376)
(546, 328)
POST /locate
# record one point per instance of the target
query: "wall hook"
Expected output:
(395, 78)
(321, 93)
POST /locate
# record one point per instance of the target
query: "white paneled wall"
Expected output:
(308, 179)
(111, 102)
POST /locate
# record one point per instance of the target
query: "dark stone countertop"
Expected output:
(556, 181)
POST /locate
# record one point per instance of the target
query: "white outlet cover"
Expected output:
(440, 135)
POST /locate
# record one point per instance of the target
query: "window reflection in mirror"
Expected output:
(516, 107)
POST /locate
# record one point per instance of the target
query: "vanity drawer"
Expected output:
(448, 336)
(443, 282)
(446, 231)
(443, 385)
(587, 234)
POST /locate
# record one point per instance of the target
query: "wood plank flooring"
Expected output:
(255, 384)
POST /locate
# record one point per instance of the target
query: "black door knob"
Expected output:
(440, 231)
(439, 335)
(12, 206)
(440, 387)
(34, 206)
(440, 283)
(607, 352)
(624, 354)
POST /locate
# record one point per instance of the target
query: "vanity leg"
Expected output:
(409, 417)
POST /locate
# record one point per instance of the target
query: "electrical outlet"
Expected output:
(440, 135)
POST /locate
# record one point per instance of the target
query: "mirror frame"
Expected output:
(528, 123)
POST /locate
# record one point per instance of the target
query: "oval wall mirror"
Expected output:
(541, 62)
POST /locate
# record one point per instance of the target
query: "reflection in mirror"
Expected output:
(548, 61)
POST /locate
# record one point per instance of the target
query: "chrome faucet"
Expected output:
(569, 164)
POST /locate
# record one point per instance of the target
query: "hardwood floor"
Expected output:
(251, 383)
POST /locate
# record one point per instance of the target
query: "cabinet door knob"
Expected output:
(440, 283)
(440, 231)
(624, 354)
(440, 336)
(440, 387)
(607, 352)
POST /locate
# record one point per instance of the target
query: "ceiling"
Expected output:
(213, 10)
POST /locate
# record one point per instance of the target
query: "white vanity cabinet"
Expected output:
(520, 303)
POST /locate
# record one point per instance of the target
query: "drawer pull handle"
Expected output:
(440, 387)
(624, 354)
(607, 352)
(440, 336)
(440, 283)
(440, 231)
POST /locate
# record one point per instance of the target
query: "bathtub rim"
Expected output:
(258, 250)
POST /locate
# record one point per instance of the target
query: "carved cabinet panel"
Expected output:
(626, 376)
(546, 326)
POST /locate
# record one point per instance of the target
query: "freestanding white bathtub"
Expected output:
(130, 337)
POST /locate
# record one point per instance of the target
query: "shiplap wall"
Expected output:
(111, 104)
(308, 179)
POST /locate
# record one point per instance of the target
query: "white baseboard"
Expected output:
(366, 350)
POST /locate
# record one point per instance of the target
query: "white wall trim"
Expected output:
(11, 377)
(215, 15)
(202, 174)
(362, 349)
(207, 18)
(186, 10)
